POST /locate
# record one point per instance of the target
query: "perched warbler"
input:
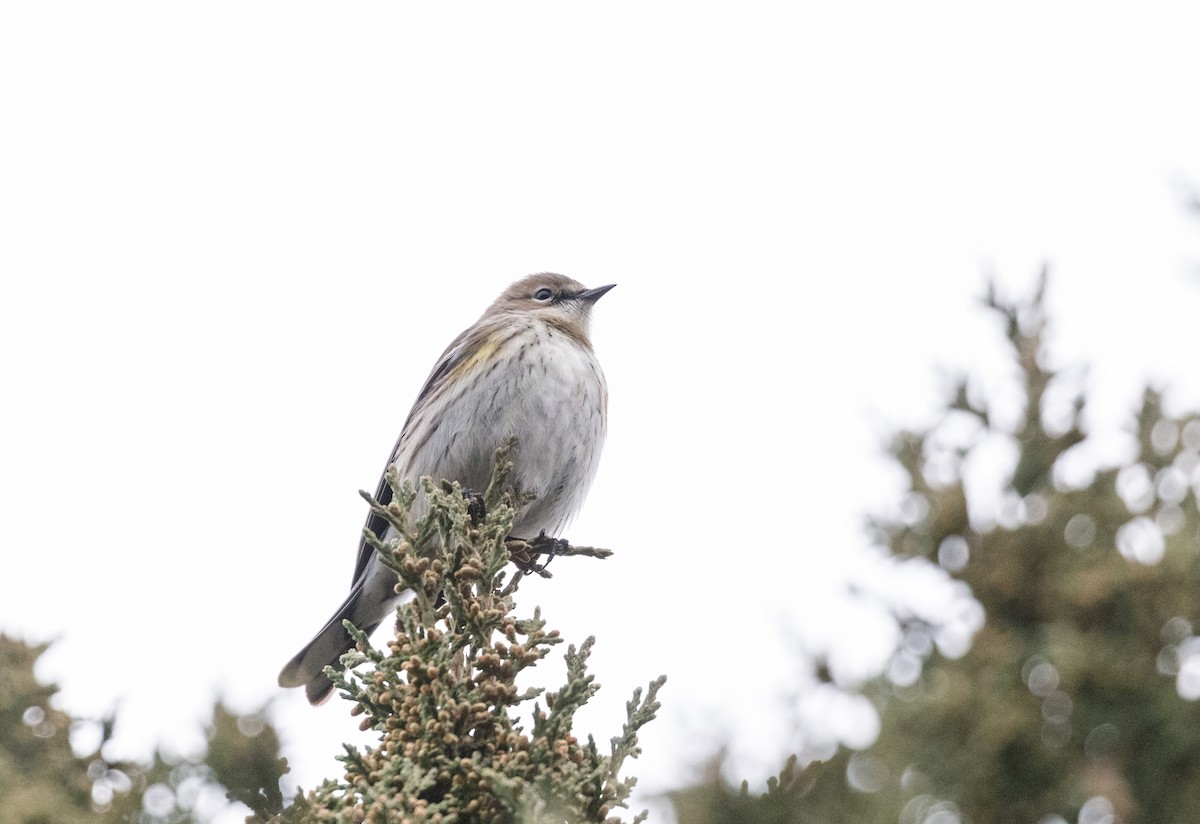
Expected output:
(525, 369)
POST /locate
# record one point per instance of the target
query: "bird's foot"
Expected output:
(526, 554)
(476, 507)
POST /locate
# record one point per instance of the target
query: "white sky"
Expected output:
(234, 237)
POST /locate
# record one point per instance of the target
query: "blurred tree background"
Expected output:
(1076, 698)
(53, 768)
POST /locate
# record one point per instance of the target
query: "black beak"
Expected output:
(593, 295)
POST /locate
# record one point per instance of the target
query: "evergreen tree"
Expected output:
(1078, 693)
(44, 781)
(459, 741)
(1076, 700)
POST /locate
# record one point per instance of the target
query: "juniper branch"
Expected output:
(442, 694)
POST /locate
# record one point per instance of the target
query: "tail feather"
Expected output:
(307, 667)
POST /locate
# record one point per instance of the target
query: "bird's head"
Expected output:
(557, 300)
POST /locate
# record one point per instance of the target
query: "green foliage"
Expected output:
(1069, 697)
(243, 758)
(796, 796)
(1089, 586)
(43, 780)
(454, 743)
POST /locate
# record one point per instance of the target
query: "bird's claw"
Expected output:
(476, 508)
(525, 553)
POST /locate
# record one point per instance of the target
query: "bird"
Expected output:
(525, 370)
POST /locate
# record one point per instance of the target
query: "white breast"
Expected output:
(548, 392)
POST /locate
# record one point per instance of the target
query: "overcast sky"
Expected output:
(234, 237)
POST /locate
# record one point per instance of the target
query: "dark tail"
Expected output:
(307, 668)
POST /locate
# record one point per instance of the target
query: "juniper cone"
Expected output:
(525, 369)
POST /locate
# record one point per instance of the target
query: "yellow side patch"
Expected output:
(479, 356)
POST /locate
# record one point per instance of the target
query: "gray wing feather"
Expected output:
(461, 347)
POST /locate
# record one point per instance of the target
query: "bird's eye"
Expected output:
(543, 294)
